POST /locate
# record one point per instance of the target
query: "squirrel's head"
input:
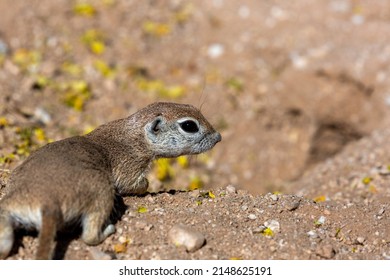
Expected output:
(178, 129)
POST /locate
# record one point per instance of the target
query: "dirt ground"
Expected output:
(298, 90)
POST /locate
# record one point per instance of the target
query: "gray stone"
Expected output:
(273, 225)
(252, 217)
(293, 203)
(360, 240)
(312, 234)
(96, 254)
(181, 235)
(230, 189)
(326, 251)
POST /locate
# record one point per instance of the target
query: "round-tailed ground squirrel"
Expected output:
(75, 180)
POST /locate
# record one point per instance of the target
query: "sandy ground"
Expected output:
(298, 89)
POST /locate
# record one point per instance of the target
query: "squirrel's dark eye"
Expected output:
(189, 126)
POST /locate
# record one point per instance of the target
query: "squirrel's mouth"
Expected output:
(207, 142)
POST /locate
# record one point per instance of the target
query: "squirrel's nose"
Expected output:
(218, 137)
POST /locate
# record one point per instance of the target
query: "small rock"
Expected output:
(195, 193)
(242, 192)
(181, 235)
(360, 240)
(386, 256)
(244, 11)
(252, 217)
(298, 61)
(293, 204)
(122, 239)
(244, 207)
(381, 211)
(273, 225)
(274, 197)
(260, 229)
(3, 47)
(215, 50)
(148, 227)
(279, 13)
(96, 254)
(357, 19)
(321, 220)
(129, 215)
(326, 251)
(141, 224)
(340, 6)
(159, 211)
(230, 189)
(42, 115)
(382, 170)
(312, 234)
(119, 230)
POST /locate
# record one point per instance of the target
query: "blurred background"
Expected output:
(288, 83)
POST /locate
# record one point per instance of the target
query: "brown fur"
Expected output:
(76, 179)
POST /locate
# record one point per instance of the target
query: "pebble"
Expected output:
(381, 211)
(3, 47)
(122, 239)
(230, 189)
(252, 217)
(293, 204)
(340, 6)
(42, 115)
(386, 256)
(321, 220)
(381, 170)
(244, 207)
(279, 13)
(260, 229)
(150, 198)
(143, 225)
(298, 61)
(140, 224)
(181, 235)
(215, 50)
(326, 251)
(96, 254)
(357, 19)
(312, 234)
(244, 11)
(129, 215)
(195, 193)
(360, 240)
(273, 225)
(159, 211)
(274, 197)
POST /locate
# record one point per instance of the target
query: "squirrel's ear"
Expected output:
(154, 127)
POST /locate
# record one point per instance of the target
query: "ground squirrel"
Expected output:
(75, 180)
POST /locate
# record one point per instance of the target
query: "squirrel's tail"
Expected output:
(47, 234)
(6, 234)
